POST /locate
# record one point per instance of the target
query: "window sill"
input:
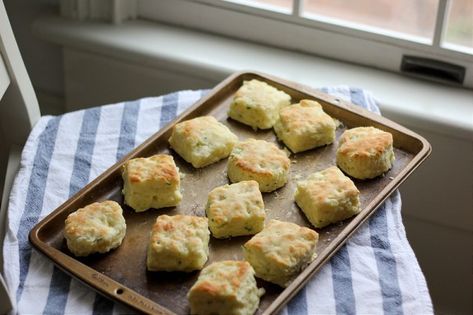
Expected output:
(426, 105)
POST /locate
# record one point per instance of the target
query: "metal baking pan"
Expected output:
(121, 274)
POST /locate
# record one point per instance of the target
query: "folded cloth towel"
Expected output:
(375, 272)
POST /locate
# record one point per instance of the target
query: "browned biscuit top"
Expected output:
(259, 157)
(285, 243)
(364, 142)
(329, 183)
(223, 276)
(196, 128)
(177, 227)
(306, 113)
(95, 220)
(158, 167)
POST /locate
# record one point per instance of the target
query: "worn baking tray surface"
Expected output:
(122, 275)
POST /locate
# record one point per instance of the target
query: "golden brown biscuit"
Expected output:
(281, 251)
(225, 288)
(257, 104)
(365, 152)
(178, 243)
(236, 209)
(96, 228)
(152, 182)
(261, 161)
(202, 141)
(305, 126)
(327, 197)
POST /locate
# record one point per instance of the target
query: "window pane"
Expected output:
(410, 17)
(278, 5)
(460, 23)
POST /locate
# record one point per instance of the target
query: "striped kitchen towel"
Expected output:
(376, 271)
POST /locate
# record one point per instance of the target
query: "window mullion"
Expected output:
(297, 7)
(440, 22)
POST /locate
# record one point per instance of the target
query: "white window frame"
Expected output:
(323, 37)
(114, 11)
(318, 35)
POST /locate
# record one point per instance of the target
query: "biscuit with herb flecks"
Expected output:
(257, 104)
(152, 182)
(261, 161)
(327, 197)
(365, 152)
(236, 209)
(178, 243)
(305, 126)
(225, 288)
(280, 251)
(96, 228)
(202, 141)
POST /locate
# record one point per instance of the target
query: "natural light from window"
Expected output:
(459, 30)
(415, 18)
(282, 6)
(432, 39)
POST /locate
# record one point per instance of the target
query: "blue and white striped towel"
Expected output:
(376, 272)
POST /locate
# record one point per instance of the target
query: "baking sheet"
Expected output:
(122, 275)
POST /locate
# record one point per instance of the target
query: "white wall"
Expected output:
(437, 212)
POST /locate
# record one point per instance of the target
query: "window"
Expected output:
(283, 6)
(459, 26)
(377, 33)
(412, 19)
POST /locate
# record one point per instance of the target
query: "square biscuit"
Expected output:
(257, 104)
(178, 243)
(327, 197)
(202, 141)
(305, 126)
(226, 288)
(261, 161)
(96, 228)
(281, 251)
(236, 209)
(365, 152)
(152, 182)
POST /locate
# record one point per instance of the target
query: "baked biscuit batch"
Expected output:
(277, 251)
